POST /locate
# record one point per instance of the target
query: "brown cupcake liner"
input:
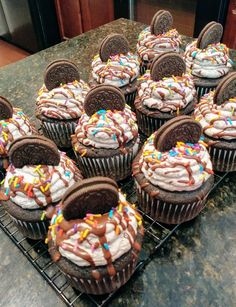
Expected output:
(143, 67)
(201, 91)
(223, 160)
(105, 285)
(117, 167)
(130, 98)
(168, 213)
(148, 125)
(59, 132)
(33, 230)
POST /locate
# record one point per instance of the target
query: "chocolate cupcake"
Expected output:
(159, 37)
(60, 101)
(36, 179)
(95, 236)
(13, 124)
(164, 93)
(106, 138)
(116, 65)
(216, 113)
(173, 172)
(207, 59)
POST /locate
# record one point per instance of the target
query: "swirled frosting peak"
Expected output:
(212, 62)
(217, 121)
(150, 45)
(107, 128)
(167, 95)
(119, 70)
(184, 168)
(63, 102)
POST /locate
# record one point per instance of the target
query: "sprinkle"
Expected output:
(67, 173)
(138, 218)
(42, 189)
(75, 227)
(7, 191)
(47, 187)
(93, 247)
(203, 143)
(140, 223)
(12, 178)
(2, 181)
(177, 111)
(106, 246)
(117, 230)
(110, 214)
(37, 168)
(46, 241)
(83, 152)
(201, 168)
(61, 232)
(97, 215)
(120, 208)
(89, 222)
(26, 187)
(43, 216)
(230, 121)
(85, 233)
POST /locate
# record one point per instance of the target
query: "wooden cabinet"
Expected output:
(78, 16)
(229, 37)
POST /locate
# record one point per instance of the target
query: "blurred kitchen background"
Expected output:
(28, 26)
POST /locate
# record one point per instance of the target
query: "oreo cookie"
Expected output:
(210, 34)
(33, 150)
(161, 22)
(226, 89)
(96, 195)
(104, 97)
(60, 72)
(113, 44)
(180, 129)
(166, 65)
(6, 109)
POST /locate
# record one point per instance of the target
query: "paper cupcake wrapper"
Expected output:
(130, 98)
(106, 285)
(33, 230)
(59, 132)
(148, 125)
(203, 90)
(117, 167)
(143, 67)
(223, 160)
(168, 213)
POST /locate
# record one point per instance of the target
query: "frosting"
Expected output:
(184, 168)
(150, 45)
(12, 129)
(119, 70)
(212, 62)
(63, 102)
(97, 240)
(217, 121)
(34, 186)
(167, 95)
(107, 128)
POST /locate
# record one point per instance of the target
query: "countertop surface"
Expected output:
(195, 267)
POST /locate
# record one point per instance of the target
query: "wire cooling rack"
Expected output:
(36, 251)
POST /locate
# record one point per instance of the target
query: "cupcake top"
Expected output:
(115, 64)
(62, 95)
(33, 185)
(13, 125)
(178, 165)
(159, 37)
(111, 124)
(95, 238)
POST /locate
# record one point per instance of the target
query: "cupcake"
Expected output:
(207, 59)
(35, 181)
(95, 236)
(156, 39)
(173, 172)
(164, 93)
(106, 138)
(216, 113)
(116, 65)
(60, 101)
(13, 124)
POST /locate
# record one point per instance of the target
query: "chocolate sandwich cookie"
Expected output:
(161, 22)
(91, 222)
(210, 34)
(173, 172)
(6, 109)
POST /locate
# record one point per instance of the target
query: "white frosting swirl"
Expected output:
(119, 70)
(32, 187)
(184, 168)
(217, 121)
(169, 94)
(107, 128)
(212, 62)
(63, 102)
(150, 45)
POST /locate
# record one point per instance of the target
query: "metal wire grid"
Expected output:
(36, 251)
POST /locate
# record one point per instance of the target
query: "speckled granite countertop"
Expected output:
(196, 267)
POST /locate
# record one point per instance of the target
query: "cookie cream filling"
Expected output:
(119, 70)
(35, 186)
(63, 102)
(107, 128)
(212, 62)
(217, 121)
(184, 168)
(169, 94)
(97, 240)
(150, 45)
(12, 129)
